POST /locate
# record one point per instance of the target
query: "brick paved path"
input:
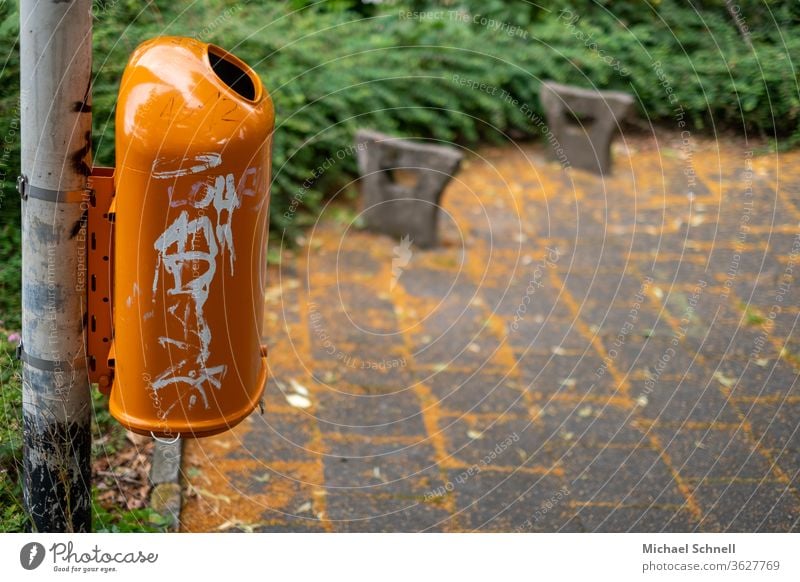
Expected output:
(580, 355)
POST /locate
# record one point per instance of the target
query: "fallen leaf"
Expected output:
(477, 301)
(137, 439)
(237, 524)
(272, 294)
(226, 525)
(297, 387)
(210, 495)
(298, 400)
(723, 379)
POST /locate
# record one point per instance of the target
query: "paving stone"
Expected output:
(352, 511)
(761, 378)
(528, 297)
(692, 397)
(543, 338)
(509, 502)
(591, 425)
(621, 476)
(424, 282)
(510, 443)
(381, 375)
(478, 392)
(711, 306)
(713, 453)
(276, 436)
(281, 490)
(748, 507)
(645, 519)
(737, 340)
(341, 261)
(370, 372)
(406, 469)
(396, 414)
(780, 243)
(496, 227)
(666, 272)
(785, 326)
(355, 303)
(459, 351)
(775, 425)
(620, 322)
(658, 355)
(340, 339)
(580, 374)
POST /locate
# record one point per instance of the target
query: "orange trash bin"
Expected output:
(193, 141)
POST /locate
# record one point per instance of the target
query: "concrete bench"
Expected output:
(583, 123)
(403, 207)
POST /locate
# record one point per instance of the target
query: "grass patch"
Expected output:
(752, 316)
(108, 438)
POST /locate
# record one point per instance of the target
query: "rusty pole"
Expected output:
(55, 64)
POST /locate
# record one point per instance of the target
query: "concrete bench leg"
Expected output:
(402, 209)
(585, 144)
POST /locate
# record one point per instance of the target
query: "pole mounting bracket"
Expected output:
(41, 363)
(27, 190)
(100, 277)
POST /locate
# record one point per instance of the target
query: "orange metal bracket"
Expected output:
(100, 247)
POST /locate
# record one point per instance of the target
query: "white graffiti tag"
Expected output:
(187, 254)
(223, 195)
(176, 249)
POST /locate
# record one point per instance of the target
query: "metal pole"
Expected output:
(55, 63)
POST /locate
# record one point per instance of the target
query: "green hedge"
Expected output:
(402, 68)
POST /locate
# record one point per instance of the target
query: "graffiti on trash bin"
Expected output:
(188, 250)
